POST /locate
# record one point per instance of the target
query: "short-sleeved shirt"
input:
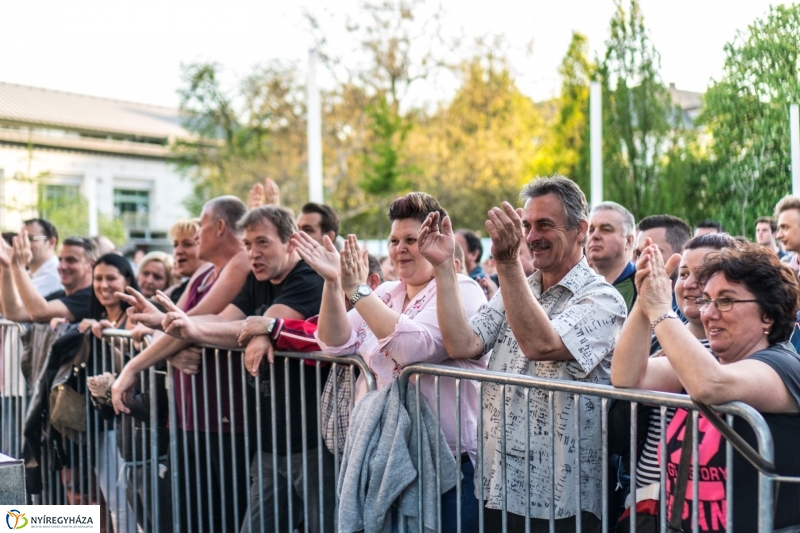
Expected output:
(587, 312)
(712, 489)
(78, 302)
(302, 291)
(46, 279)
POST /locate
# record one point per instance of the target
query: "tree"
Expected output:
(747, 114)
(478, 150)
(257, 131)
(636, 112)
(565, 149)
(369, 163)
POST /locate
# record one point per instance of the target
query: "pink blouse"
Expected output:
(417, 339)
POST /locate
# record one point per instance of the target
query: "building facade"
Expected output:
(56, 147)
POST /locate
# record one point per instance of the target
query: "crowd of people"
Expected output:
(571, 293)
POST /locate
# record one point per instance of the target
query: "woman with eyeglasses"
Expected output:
(747, 307)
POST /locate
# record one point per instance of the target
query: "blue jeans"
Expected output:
(469, 504)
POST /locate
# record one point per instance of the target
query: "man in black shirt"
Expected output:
(280, 284)
(21, 301)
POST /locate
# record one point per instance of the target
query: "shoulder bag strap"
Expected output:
(679, 495)
(736, 440)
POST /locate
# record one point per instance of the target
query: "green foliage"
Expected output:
(478, 151)
(71, 216)
(234, 148)
(383, 169)
(565, 150)
(747, 114)
(636, 109)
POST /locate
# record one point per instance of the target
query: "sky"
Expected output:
(134, 50)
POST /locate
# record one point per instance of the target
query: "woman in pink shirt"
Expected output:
(396, 326)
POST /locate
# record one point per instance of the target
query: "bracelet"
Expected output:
(654, 323)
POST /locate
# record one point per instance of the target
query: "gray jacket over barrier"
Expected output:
(380, 463)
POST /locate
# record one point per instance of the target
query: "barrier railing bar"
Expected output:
(320, 488)
(438, 461)
(234, 462)
(304, 441)
(527, 395)
(458, 454)
(552, 429)
(287, 399)
(633, 439)
(603, 463)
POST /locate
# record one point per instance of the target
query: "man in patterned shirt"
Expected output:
(562, 323)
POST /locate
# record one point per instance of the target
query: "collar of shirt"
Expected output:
(573, 281)
(395, 296)
(630, 270)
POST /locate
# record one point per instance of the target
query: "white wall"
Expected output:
(168, 188)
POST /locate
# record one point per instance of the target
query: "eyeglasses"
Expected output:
(722, 304)
(34, 238)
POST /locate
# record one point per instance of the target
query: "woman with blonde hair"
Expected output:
(155, 273)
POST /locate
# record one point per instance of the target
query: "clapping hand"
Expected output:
(354, 264)
(435, 246)
(505, 229)
(653, 281)
(324, 260)
(22, 249)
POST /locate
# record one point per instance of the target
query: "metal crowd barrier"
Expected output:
(13, 389)
(523, 385)
(203, 471)
(232, 494)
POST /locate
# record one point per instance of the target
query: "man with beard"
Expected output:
(561, 323)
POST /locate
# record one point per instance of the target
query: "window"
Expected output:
(132, 207)
(56, 197)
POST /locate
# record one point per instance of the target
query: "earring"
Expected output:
(766, 332)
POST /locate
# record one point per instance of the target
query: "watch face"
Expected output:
(364, 290)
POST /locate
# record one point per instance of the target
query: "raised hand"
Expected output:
(272, 193)
(255, 197)
(176, 322)
(22, 249)
(656, 286)
(435, 246)
(253, 326)
(254, 354)
(324, 260)
(354, 264)
(505, 229)
(141, 310)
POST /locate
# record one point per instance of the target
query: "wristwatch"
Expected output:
(271, 326)
(361, 291)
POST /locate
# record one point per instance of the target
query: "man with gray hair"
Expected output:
(280, 285)
(560, 323)
(610, 247)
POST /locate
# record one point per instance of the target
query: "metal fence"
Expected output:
(13, 389)
(184, 460)
(225, 451)
(526, 385)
